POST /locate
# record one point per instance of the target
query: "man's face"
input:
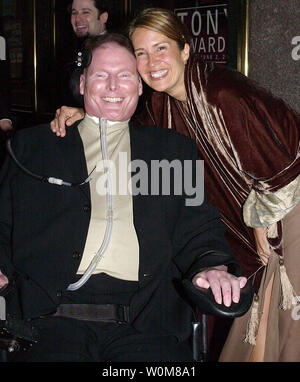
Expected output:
(85, 18)
(111, 85)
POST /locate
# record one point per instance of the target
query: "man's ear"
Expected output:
(82, 84)
(103, 18)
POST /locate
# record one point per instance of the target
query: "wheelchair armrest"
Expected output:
(204, 300)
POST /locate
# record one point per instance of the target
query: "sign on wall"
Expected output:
(208, 26)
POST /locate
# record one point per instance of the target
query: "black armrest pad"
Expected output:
(204, 300)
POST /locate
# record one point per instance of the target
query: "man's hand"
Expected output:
(5, 125)
(65, 116)
(3, 280)
(225, 286)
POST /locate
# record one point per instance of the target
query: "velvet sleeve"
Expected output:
(264, 135)
(263, 130)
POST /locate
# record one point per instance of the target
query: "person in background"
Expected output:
(6, 125)
(249, 141)
(5, 122)
(89, 17)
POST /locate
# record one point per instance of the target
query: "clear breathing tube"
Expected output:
(108, 231)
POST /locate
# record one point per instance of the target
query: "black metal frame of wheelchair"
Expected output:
(18, 334)
(204, 303)
(15, 334)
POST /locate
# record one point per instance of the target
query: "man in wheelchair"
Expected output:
(95, 273)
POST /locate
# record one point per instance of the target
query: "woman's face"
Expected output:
(160, 62)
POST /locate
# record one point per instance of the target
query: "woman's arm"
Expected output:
(262, 244)
(65, 116)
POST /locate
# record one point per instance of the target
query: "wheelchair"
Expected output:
(18, 335)
(204, 305)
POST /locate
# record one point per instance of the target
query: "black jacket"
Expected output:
(43, 225)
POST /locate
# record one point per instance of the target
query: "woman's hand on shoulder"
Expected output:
(65, 116)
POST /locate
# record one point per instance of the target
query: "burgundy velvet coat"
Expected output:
(248, 138)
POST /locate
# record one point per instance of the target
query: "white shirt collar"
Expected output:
(109, 123)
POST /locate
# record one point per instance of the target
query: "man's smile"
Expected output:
(112, 99)
(81, 28)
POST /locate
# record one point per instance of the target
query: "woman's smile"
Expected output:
(158, 74)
